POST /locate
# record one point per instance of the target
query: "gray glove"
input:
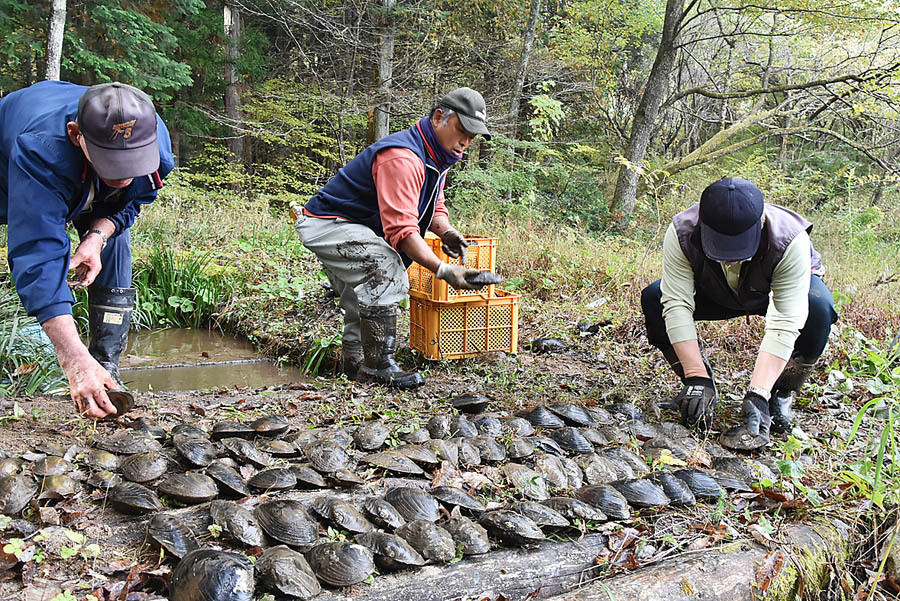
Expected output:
(454, 245)
(455, 275)
(696, 401)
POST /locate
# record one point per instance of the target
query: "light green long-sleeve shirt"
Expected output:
(788, 299)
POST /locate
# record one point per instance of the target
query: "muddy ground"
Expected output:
(616, 364)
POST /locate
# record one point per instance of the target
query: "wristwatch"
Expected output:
(99, 233)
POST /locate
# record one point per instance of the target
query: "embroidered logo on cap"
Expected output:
(123, 128)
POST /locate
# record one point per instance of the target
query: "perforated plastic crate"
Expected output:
(480, 255)
(464, 328)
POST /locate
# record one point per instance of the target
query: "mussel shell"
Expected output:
(103, 479)
(540, 514)
(453, 496)
(277, 447)
(413, 503)
(640, 430)
(415, 436)
(489, 425)
(197, 450)
(673, 430)
(470, 537)
(704, 486)
(229, 482)
(171, 534)
(287, 522)
(552, 469)
(600, 416)
(421, 454)
(246, 451)
(730, 482)
(308, 477)
(100, 460)
(635, 462)
(438, 427)
(519, 448)
(676, 489)
(655, 446)
(615, 434)
(393, 461)
(573, 473)
(189, 487)
(346, 478)
(745, 470)
(286, 572)
(607, 499)
(571, 414)
(208, 575)
(122, 400)
(342, 514)
(128, 442)
(51, 466)
(641, 492)
(237, 522)
(461, 427)
(518, 426)
(470, 403)
(629, 411)
(570, 439)
(47, 447)
(390, 551)
(598, 469)
(148, 426)
(489, 449)
(511, 527)
(229, 429)
(546, 445)
(58, 487)
(383, 514)
(430, 540)
(341, 564)
(594, 436)
(575, 509)
(620, 466)
(10, 466)
(187, 430)
(336, 434)
(143, 467)
(526, 481)
(133, 498)
(371, 436)
(541, 417)
(326, 457)
(469, 455)
(274, 478)
(444, 450)
(270, 425)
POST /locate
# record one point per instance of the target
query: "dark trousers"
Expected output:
(809, 345)
(115, 257)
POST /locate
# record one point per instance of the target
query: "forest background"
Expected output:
(610, 115)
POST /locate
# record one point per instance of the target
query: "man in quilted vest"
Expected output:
(367, 224)
(728, 256)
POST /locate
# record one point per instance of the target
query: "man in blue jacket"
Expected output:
(90, 156)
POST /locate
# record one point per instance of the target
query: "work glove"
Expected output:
(753, 432)
(455, 275)
(696, 401)
(454, 245)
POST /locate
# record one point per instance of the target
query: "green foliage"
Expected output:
(178, 289)
(28, 362)
(317, 352)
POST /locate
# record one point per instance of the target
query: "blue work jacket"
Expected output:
(45, 182)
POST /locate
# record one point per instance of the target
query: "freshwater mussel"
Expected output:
(572, 440)
(460, 426)
(143, 467)
(327, 457)
(413, 503)
(308, 477)
(237, 522)
(245, 451)
(470, 403)
(571, 414)
(208, 575)
(288, 522)
(470, 537)
(172, 534)
(51, 466)
(606, 498)
(383, 514)
(525, 481)
(641, 492)
(341, 563)
(58, 487)
(342, 514)
(541, 417)
(575, 509)
(453, 496)
(283, 571)
(229, 482)
(704, 486)
(675, 488)
(390, 551)
(419, 453)
(132, 498)
(230, 429)
(488, 424)
(490, 450)
(430, 540)
(270, 425)
(511, 527)
(274, 478)
(189, 487)
(540, 514)
(196, 450)
(371, 436)
(128, 442)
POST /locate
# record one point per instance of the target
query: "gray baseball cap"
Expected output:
(470, 108)
(118, 123)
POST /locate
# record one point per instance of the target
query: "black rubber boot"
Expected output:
(785, 390)
(351, 359)
(378, 327)
(109, 311)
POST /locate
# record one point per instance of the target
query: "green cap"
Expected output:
(470, 108)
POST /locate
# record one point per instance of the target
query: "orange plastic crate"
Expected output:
(483, 257)
(464, 328)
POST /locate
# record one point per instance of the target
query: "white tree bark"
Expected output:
(55, 39)
(385, 73)
(232, 97)
(527, 48)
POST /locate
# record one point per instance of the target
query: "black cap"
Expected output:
(730, 219)
(470, 108)
(118, 123)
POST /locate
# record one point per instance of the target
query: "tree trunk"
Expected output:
(527, 48)
(55, 39)
(645, 117)
(232, 97)
(385, 72)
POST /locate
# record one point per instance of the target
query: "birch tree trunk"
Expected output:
(527, 48)
(232, 97)
(385, 72)
(644, 122)
(55, 39)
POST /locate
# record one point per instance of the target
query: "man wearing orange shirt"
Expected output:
(367, 224)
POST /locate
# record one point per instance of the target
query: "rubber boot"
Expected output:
(351, 358)
(672, 359)
(378, 327)
(109, 311)
(785, 390)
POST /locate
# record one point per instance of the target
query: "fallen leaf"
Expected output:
(769, 569)
(759, 534)
(197, 409)
(667, 458)
(24, 370)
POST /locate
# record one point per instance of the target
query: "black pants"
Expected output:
(809, 345)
